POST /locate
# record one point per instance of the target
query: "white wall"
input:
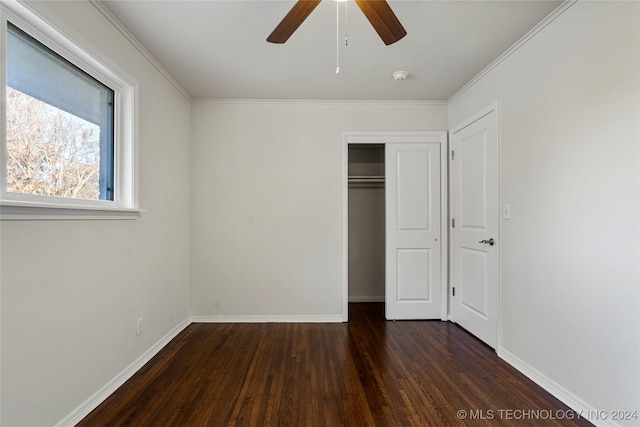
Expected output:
(569, 123)
(265, 212)
(72, 290)
(267, 202)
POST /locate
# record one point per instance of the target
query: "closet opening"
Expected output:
(366, 223)
(394, 221)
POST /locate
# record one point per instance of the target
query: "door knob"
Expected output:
(491, 242)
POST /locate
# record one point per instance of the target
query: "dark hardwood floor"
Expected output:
(367, 372)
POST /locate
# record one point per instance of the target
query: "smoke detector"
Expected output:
(400, 76)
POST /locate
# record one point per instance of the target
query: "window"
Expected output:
(59, 124)
(67, 130)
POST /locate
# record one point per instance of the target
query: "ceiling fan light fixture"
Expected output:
(400, 76)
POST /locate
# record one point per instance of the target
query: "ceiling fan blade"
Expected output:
(383, 20)
(292, 20)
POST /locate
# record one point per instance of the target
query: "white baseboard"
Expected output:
(582, 408)
(108, 389)
(267, 319)
(101, 395)
(366, 299)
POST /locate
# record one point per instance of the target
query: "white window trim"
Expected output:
(64, 41)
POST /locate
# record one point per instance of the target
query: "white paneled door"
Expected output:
(413, 228)
(474, 227)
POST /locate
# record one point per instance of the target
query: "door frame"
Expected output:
(404, 137)
(495, 108)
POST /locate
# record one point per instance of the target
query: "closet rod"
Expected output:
(366, 178)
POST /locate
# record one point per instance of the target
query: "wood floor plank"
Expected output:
(367, 372)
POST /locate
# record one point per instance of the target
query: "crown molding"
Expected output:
(517, 45)
(130, 37)
(317, 101)
(512, 49)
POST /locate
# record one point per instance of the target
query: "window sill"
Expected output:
(30, 211)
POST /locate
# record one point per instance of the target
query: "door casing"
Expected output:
(406, 137)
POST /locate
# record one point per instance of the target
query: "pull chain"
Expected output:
(337, 37)
(346, 34)
(346, 22)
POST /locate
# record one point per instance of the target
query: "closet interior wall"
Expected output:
(366, 223)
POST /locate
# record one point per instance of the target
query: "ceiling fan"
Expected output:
(378, 12)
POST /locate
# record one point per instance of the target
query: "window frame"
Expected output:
(19, 206)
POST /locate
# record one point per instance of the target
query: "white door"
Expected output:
(474, 227)
(413, 269)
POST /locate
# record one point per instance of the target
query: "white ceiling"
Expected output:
(217, 48)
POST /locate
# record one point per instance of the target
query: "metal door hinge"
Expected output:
(452, 155)
(453, 223)
(453, 291)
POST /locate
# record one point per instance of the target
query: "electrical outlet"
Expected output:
(139, 327)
